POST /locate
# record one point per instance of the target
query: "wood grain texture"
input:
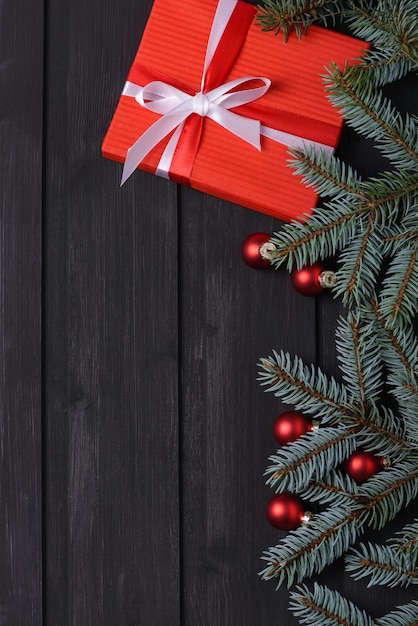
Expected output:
(112, 513)
(231, 316)
(21, 86)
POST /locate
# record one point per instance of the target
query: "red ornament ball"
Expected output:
(362, 465)
(252, 250)
(312, 280)
(289, 426)
(285, 511)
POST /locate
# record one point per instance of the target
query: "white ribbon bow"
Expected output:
(175, 106)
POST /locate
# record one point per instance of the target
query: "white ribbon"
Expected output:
(175, 106)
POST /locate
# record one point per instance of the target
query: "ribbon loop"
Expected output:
(160, 97)
(228, 96)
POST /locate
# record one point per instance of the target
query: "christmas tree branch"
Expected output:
(360, 263)
(408, 541)
(399, 296)
(405, 236)
(389, 491)
(383, 433)
(360, 355)
(369, 65)
(370, 23)
(382, 565)
(369, 113)
(311, 548)
(329, 534)
(400, 348)
(384, 66)
(300, 243)
(308, 389)
(386, 192)
(394, 564)
(326, 173)
(405, 390)
(390, 26)
(406, 615)
(309, 457)
(323, 607)
(283, 16)
(371, 227)
(336, 488)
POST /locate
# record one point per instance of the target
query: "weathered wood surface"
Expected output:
(21, 84)
(134, 435)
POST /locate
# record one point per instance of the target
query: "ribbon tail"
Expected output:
(247, 129)
(294, 141)
(153, 135)
(164, 165)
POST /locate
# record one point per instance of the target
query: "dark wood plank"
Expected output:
(21, 77)
(111, 357)
(231, 316)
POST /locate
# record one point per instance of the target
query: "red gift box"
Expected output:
(213, 102)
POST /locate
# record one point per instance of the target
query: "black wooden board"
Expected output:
(134, 434)
(21, 76)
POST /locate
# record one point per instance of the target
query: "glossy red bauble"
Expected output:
(362, 465)
(289, 426)
(306, 280)
(285, 511)
(312, 280)
(252, 250)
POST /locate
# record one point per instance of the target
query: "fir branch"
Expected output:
(335, 487)
(389, 491)
(384, 66)
(361, 358)
(309, 457)
(360, 263)
(283, 16)
(324, 607)
(407, 541)
(326, 173)
(382, 565)
(359, 209)
(399, 345)
(405, 390)
(406, 615)
(309, 549)
(308, 389)
(399, 296)
(328, 230)
(390, 26)
(372, 115)
(372, 226)
(391, 194)
(394, 564)
(384, 433)
(329, 534)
